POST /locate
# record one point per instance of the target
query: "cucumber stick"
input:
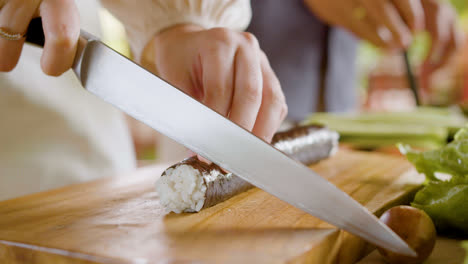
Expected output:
(424, 127)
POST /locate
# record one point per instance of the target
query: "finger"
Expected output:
(273, 109)
(61, 25)
(449, 48)
(247, 96)
(14, 18)
(458, 37)
(440, 32)
(218, 72)
(429, 66)
(438, 23)
(370, 31)
(412, 13)
(384, 12)
(202, 159)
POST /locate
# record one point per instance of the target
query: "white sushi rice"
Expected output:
(182, 189)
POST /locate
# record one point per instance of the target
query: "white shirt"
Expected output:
(54, 133)
(143, 19)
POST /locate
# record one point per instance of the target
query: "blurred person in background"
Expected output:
(312, 44)
(54, 133)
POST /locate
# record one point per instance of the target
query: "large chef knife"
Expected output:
(146, 97)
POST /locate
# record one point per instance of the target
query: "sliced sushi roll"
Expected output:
(307, 144)
(192, 185)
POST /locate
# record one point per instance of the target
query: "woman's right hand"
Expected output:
(224, 69)
(61, 25)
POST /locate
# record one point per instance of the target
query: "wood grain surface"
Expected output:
(119, 220)
(446, 251)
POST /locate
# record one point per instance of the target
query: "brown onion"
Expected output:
(415, 227)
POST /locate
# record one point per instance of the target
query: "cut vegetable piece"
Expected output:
(423, 127)
(192, 185)
(372, 142)
(439, 117)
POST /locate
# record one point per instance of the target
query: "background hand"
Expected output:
(385, 23)
(446, 37)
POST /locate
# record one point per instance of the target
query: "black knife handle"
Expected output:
(35, 33)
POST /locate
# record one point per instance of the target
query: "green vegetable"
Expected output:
(425, 127)
(445, 201)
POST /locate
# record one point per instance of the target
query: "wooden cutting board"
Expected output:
(119, 220)
(446, 251)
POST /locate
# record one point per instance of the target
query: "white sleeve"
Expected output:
(145, 18)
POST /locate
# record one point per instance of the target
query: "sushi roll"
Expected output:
(191, 185)
(307, 144)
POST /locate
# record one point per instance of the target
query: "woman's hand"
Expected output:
(61, 26)
(224, 69)
(390, 24)
(385, 23)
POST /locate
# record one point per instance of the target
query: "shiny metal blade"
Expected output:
(158, 104)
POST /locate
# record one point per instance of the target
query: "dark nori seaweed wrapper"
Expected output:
(222, 188)
(226, 187)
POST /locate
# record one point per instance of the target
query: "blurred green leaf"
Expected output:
(444, 200)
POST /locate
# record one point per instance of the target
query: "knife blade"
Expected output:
(153, 101)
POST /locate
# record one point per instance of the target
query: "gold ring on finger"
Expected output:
(6, 34)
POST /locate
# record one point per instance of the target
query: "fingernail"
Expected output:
(384, 34)
(406, 40)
